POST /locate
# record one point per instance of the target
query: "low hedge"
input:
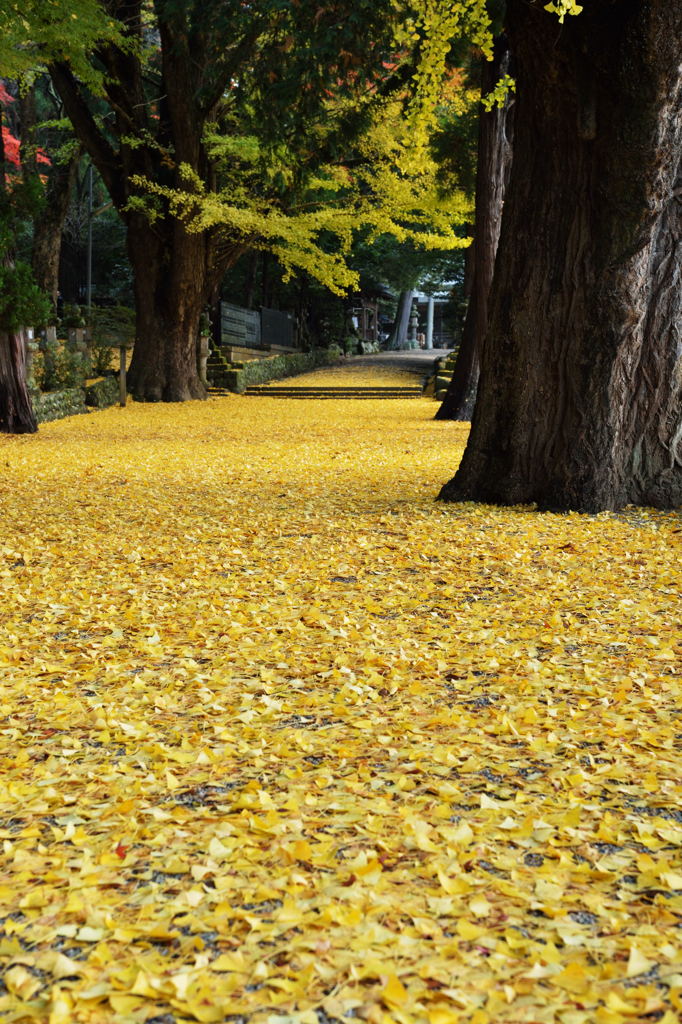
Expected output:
(100, 394)
(290, 364)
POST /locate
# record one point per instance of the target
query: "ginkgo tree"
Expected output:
(214, 120)
(383, 184)
(580, 395)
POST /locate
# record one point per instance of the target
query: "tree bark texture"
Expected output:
(16, 411)
(580, 396)
(172, 282)
(49, 224)
(175, 272)
(492, 173)
(398, 338)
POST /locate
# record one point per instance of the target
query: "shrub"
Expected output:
(21, 301)
(56, 367)
(70, 369)
(45, 364)
(110, 327)
(38, 371)
(102, 357)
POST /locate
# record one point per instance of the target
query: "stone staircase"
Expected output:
(278, 390)
(220, 373)
(227, 378)
(443, 376)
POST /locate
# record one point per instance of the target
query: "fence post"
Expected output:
(123, 394)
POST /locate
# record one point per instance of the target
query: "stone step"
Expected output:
(344, 397)
(334, 392)
(276, 389)
(218, 392)
(351, 388)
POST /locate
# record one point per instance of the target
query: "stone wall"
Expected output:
(102, 393)
(54, 405)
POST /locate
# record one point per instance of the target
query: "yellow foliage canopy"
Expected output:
(307, 210)
(392, 189)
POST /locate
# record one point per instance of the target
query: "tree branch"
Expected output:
(104, 157)
(225, 69)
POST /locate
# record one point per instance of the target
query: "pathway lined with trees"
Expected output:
(283, 740)
(217, 132)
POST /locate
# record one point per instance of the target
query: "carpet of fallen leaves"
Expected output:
(284, 741)
(353, 375)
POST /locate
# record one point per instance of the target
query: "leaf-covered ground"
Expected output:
(354, 375)
(283, 740)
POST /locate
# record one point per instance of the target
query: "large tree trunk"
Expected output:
(173, 284)
(580, 398)
(492, 173)
(49, 224)
(16, 411)
(398, 337)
